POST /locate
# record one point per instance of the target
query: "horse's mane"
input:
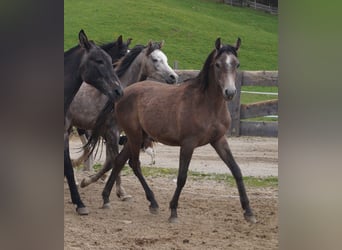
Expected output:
(124, 63)
(71, 51)
(107, 46)
(72, 59)
(203, 76)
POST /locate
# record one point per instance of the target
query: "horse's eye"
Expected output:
(217, 65)
(155, 60)
(100, 61)
(238, 65)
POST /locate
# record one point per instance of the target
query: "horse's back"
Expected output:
(152, 106)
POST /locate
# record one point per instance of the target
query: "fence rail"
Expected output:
(240, 111)
(254, 5)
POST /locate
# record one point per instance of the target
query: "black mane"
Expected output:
(126, 61)
(71, 51)
(107, 46)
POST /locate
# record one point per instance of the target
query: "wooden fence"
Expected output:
(273, 9)
(240, 111)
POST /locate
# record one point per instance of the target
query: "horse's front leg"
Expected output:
(222, 148)
(134, 163)
(184, 161)
(69, 174)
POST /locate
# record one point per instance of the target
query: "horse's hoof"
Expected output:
(250, 218)
(106, 206)
(173, 220)
(82, 211)
(125, 197)
(154, 210)
(84, 183)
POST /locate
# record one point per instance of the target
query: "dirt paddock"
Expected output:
(210, 214)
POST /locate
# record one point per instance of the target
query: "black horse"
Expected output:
(85, 62)
(116, 49)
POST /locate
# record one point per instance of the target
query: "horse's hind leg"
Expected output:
(93, 178)
(69, 174)
(222, 148)
(184, 161)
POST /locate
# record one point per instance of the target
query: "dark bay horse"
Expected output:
(189, 115)
(85, 62)
(116, 49)
(140, 63)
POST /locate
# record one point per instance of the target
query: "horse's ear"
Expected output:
(218, 43)
(161, 44)
(129, 40)
(119, 40)
(238, 44)
(84, 43)
(149, 48)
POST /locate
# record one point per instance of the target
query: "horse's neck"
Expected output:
(211, 97)
(134, 73)
(72, 76)
(72, 84)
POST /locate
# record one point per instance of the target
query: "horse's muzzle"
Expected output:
(116, 93)
(229, 94)
(173, 78)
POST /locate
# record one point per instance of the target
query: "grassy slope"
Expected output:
(189, 28)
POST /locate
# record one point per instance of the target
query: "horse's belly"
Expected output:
(164, 134)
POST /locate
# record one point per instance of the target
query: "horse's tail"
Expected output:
(95, 136)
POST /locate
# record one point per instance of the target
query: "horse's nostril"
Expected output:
(230, 94)
(119, 92)
(173, 78)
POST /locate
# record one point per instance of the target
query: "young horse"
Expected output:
(140, 63)
(190, 115)
(86, 62)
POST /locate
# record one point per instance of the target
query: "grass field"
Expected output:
(188, 27)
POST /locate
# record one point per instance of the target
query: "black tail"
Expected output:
(99, 126)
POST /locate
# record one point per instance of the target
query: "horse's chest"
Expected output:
(219, 126)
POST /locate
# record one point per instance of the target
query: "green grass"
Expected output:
(189, 28)
(227, 178)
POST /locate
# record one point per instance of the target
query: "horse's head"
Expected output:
(96, 69)
(156, 64)
(225, 64)
(119, 49)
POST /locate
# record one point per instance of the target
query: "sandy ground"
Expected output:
(210, 214)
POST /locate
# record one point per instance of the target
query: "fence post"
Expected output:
(234, 107)
(175, 65)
